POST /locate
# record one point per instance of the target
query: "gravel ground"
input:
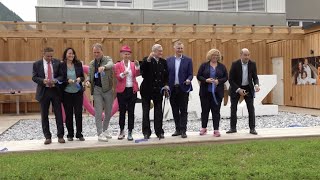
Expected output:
(31, 129)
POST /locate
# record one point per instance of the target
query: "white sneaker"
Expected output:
(102, 137)
(107, 134)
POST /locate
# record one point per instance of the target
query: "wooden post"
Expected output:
(87, 49)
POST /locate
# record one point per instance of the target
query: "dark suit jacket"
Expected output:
(204, 73)
(155, 77)
(79, 73)
(235, 78)
(38, 76)
(185, 72)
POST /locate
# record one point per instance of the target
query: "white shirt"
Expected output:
(308, 70)
(45, 68)
(306, 80)
(245, 81)
(129, 80)
(177, 66)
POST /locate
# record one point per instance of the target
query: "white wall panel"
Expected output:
(198, 5)
(276, 6)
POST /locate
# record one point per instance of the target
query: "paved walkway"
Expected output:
(193, 137)
(6, 121)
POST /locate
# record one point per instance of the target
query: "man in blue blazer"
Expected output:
(180, 77)
(47, 73)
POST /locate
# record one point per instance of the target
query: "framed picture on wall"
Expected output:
(305, 71)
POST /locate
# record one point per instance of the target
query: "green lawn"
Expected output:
(267, 159)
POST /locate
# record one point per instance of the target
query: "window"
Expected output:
(116, 3)
(171, 4)
(251, 5)
(293, 23)
(89, 2)
(307, 23)
(72, 2)
(218, 5)
(97, 3)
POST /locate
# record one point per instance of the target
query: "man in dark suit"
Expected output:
(154, 72)
(180, 77)
(244, 82)
(47, 74)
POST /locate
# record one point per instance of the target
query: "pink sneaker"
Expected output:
(203, 131)
(216, 133)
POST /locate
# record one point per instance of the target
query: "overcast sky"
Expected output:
(24, 8)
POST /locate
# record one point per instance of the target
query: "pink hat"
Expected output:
(125, 48)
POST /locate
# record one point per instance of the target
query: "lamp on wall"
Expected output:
(312, 52)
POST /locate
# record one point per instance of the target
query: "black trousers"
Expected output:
(179, 106)
(249, 101)
(207, 104)
(51, 95)
(72, 103)
(127, 101)
(158, 115)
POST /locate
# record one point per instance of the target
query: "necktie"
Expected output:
(49, 74)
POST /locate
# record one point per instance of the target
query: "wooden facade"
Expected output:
(301, 96)
(25, 41)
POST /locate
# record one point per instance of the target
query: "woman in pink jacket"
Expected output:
(127, 87)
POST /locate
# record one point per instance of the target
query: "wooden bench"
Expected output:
(24, 98)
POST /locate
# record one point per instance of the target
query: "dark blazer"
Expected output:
(79, 73)
(185, 72)
(235, 78)
(38, 76)
(221, 75)
(155, 77)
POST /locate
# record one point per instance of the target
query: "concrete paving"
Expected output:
(193, 137)
(6, 121)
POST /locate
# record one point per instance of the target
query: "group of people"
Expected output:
(63, 82)
(303, 74)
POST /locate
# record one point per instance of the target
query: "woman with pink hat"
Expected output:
(126, 88)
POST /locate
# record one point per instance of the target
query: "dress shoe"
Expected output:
(253, 131)
(160, 136)
(203, 131)
(70, 139)
(146, 136)
(48, 141)
(176, 133)
(130, 138)
(231, 131)
(61, 140)
(81, 139)
(184, 135)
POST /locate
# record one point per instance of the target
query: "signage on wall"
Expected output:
(305, 71)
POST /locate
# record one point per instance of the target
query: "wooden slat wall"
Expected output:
(19, 49)
(301, 96)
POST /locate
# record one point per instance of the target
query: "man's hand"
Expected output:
(242, 92)
(187, 82)
(101, 69)
(209, 80)
(45, 81)
(149, 57)
(257, 88)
